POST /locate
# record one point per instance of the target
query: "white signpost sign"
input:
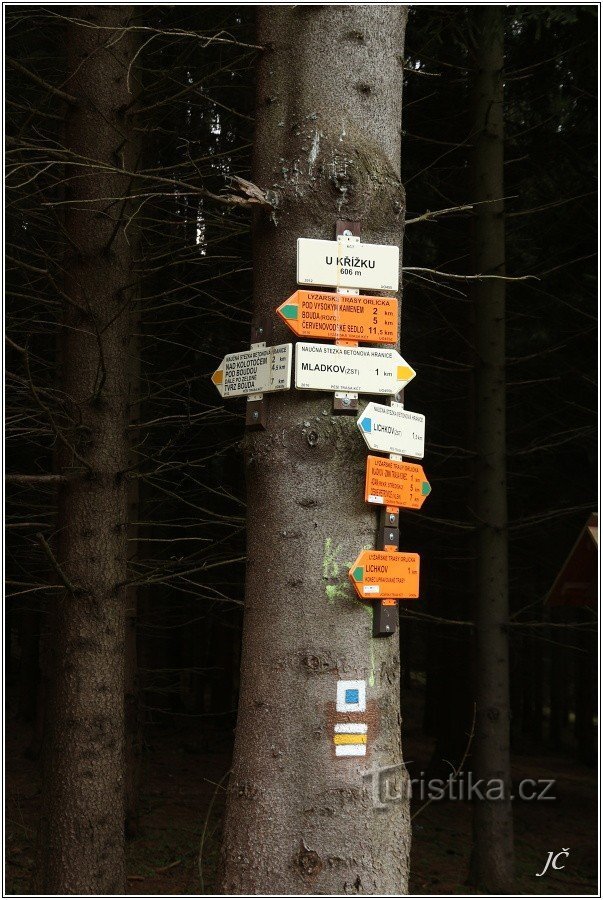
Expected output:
(390, 429)
(347, 264)
(359, 370)
(258, 371)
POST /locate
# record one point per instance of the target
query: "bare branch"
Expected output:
(428, 216)
(55, 564)
(470, 277)
(35, 479)
(44, 84)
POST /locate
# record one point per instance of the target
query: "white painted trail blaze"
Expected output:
(350, 750)
(358, 370)
(351, 728)
(348, 264)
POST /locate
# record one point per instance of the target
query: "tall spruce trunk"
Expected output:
(299, 820)
(81, 843)
(132, 697)
(492, 856)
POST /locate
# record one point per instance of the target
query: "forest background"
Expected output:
(188, 242)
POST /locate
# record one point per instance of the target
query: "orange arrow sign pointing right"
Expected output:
(393, 483)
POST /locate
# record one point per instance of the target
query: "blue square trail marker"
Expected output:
(351, 695)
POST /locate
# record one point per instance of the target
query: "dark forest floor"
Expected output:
(182, 805)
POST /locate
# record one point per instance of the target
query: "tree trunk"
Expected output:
(132, 691)
(559, 677)
(132, 694)
(537, 675)
(82, 829)
(492, 857)
(299, 819)
(585, 679)
(406, 643)
(451, 696)
(29, 668)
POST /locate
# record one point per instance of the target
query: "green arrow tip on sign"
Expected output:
(358, 573)
(290, 311)
(425, 488)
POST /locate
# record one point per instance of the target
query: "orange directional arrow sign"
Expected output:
(390, 482)
(319, 314)
(379, 574)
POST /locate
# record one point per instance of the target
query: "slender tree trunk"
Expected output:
(132, 698)
(301, 820)
(132, 688)
(492, 857)
(559, 678)
(523, 669)
(82, 828)
(585, 678)
(452, 700)
(29, 669)
(537, 677)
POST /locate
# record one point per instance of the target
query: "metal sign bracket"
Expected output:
(385, 612)
(256, 415)
(346, 403)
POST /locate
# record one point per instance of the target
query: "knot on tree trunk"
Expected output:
(309, 863)
(342, 176)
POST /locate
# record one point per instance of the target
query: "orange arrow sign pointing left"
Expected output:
(379, 574)
(319, 314)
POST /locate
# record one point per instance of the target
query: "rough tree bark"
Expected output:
(492, 856)
(81, 843)
(132, 698)
(299, 820)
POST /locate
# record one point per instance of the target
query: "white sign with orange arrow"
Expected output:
(261, 370)
(359, 370)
